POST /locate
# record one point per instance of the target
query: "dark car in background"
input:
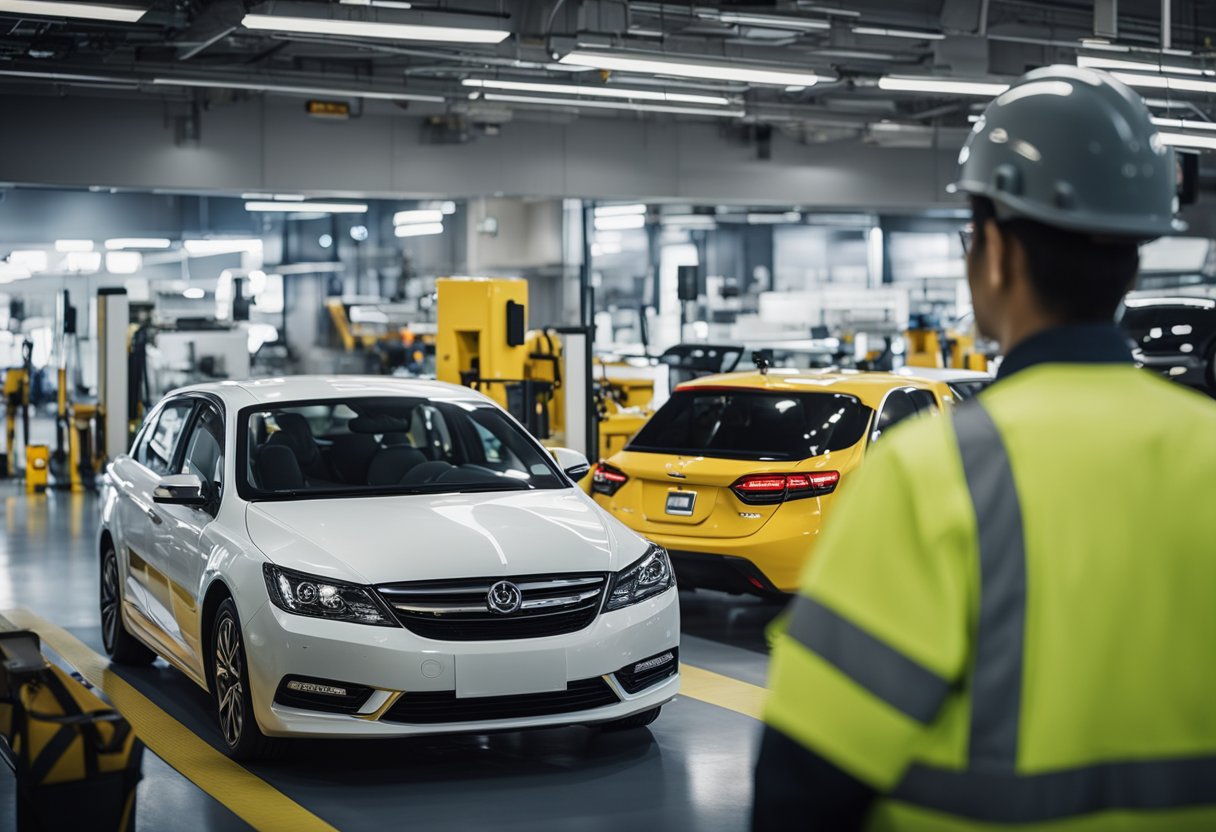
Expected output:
(1175, 336)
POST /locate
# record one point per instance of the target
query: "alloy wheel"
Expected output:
(109, 600)
(229, 692)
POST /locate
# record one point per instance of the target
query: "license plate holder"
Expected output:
(681, 503)
(506, 674)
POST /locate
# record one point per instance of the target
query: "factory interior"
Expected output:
(405, 402)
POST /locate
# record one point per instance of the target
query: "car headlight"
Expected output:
(648, 577)
(302, 594)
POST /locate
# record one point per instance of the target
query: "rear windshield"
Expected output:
(750, 424)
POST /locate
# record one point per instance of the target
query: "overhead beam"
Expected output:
(1106, 18)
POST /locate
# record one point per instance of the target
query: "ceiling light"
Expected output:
(624, 222)
(447, 207)
(1183, 140)
(602, 92)
(416, 217)
(619, 210)
(380, 4)
(84, 262)
(910, 34)
(1164, 82)
(194, 293)
(775, 219)
(307, 207)
(290, 197)
(425, 229)
(689, 220)
(203, 248)
(73, 245)
(290, 89)
(771, 21)
(689, 68)
(944, 86)
(32, 260)
(1103, 45)
(89, 11)
(828, 10)
(1182, 124)
(1090, 62)
(579, 103)
(119, 243)
(331, 20)
(124, 262)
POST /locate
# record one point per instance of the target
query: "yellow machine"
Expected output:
(924, 348)
(17, 403)
(739, 496)
(353, 336)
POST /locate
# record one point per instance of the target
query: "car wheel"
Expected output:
(631, 723)
(230, 687)
(120, 645)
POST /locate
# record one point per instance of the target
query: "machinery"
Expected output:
(388, 332)
(925, 338)
(17, 403)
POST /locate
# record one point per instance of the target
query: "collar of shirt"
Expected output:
(1072, 344)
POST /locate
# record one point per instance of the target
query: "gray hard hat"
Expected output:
(1075, 149)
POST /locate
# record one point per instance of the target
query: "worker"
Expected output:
(1009, 622)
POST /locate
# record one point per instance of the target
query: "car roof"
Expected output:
(944, 374)
(279, 389)
(868, 386)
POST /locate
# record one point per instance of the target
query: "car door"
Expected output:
(151, 458)
(178, 554)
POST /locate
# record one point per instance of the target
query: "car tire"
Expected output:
(120, 645)
(631, 723)
(229, 681)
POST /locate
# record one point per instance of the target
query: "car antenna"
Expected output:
(763, 359)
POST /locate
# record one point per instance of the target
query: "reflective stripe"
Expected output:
(996, 686)
(883, 671)
(1003, 797)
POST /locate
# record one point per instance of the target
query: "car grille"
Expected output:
(458, 611)
(443, 706)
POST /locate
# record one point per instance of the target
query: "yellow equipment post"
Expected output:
(481, 341)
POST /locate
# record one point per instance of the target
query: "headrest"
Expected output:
(379, 423)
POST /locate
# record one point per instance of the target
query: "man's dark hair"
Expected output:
(1077, 277)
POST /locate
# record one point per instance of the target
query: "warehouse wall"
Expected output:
(269, 144)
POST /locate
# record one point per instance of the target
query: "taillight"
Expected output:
(607, 480)
(764, 489)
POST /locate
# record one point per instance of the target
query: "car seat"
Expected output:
(278, 469)
(392, 464)
(295, 434)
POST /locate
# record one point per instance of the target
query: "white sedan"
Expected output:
(373, 557)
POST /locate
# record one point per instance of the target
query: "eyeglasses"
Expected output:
(965, 236)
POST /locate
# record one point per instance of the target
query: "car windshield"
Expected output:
(749, 424)
(398, 445)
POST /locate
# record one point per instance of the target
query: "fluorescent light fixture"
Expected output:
(1103, 45)
(619, 210)
(205, 248)
(10, 272)
(944, 86)
(1184, 140)
(124, 262)
(770, 21)
(63, 246)
(418, 216)
(1090, 62)
(447, 207)
(84, 262)
(775, 219)
(579, 103)
(379, 4)
(623, 222)
(119, 243)
(1178, 124)
(291, 89)
(88, 11)
(331, 20)
(425, 229)
(307, 207)
(32, 260)
(909, 34)
(689, 68)
(290, 197)
(689, 220)
(602, 92)
(828, 10)
(974, 117)
(194, 293)
(1164, 82)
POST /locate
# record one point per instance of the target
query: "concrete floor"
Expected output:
(690, 770)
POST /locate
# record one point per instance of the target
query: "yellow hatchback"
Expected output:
(735, 474)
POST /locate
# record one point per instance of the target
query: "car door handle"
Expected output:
(156, 518)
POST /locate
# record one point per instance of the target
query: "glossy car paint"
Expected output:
(776, 539)
(174, 567)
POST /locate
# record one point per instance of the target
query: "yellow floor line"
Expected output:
(248, 796)
(723, 691)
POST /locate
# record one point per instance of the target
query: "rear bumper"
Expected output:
(724, 573)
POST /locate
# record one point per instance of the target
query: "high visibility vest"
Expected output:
(1011, 619)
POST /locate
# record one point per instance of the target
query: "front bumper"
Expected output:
(394, 660)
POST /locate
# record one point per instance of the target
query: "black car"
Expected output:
(1175, 336)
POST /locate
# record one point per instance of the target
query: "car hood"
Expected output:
(374, 540)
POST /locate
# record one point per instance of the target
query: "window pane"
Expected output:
(205, 451)
(160, 447)
(899, 406)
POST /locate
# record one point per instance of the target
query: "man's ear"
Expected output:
(997, 272)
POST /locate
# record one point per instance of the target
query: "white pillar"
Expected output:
(113, 319)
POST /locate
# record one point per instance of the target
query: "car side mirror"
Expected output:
(182, 490)
(572, 462)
